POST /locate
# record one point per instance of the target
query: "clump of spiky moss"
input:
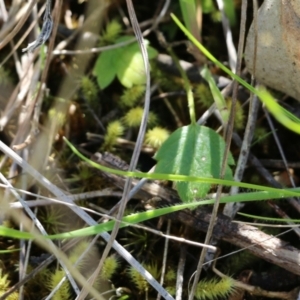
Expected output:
(156, 136)
(63, 293)
(85, 266)
(89, 88)
(4, 286)
(52, 218)
(203, 95)
(114, 130)
(214, 289)
(111, 33)
(133, 117)
(140, 282)
(130, 96)
(110, 266)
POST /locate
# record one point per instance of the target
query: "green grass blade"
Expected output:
(217, 95)
(143, 216)
(171, 177)
(9, 251)
(269, 219)
(282, 115)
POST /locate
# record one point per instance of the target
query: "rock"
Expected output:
(278, 46)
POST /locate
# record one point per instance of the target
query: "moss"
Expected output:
(111, 33)
(214, 289)
(133, 117)
(5, 285)
(130, 96)
(156, 136)
(114, 130)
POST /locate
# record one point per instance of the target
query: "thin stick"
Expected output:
(228, 36)
(6, 38)
(180, 272)
(165, 256)
(231, 209)
(138, 144)
(228, 136)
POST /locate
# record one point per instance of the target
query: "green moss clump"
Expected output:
(114, 130)
(203, 95)
(130, 96)
(156, 136)
(111, 33)
(214, 289)
(133, 117)
(4, 286)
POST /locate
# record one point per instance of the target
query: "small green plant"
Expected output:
(115, 129)
(139, 281)
(4, 286)
(111, 33)
(156, 137)
(131, 95)
(63, 293)
(133, 117)
(110, 266)
(214, 289)
(89, 89)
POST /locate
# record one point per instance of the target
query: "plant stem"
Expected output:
(187, 86)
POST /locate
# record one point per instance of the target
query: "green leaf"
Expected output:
(125, 62)
(188, 8)
(230, 11)
(130, 70)
(196, 151)
(106, 68)
(217, 95)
